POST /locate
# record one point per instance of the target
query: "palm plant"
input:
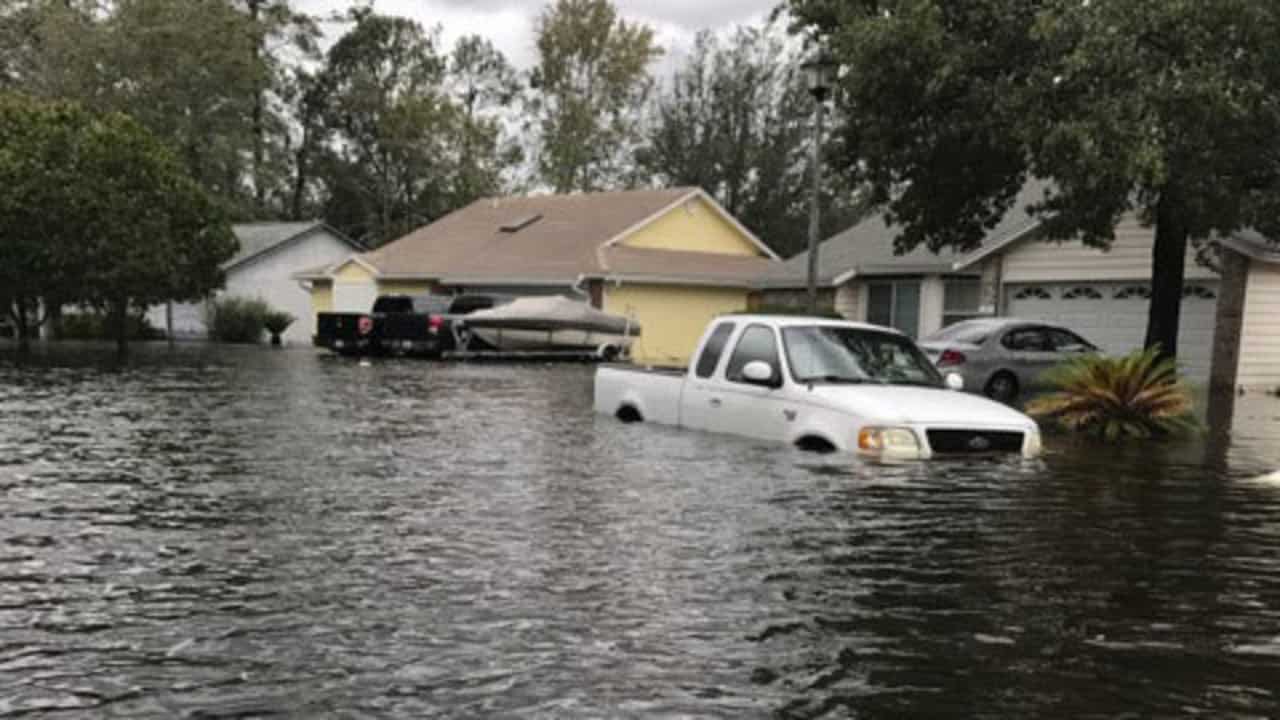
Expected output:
(1135, 396)
(276, 322)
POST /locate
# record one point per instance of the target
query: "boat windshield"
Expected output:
(835, 354)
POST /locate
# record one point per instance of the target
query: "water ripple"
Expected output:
(218, 533)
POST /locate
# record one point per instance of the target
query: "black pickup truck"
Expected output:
(425, 325)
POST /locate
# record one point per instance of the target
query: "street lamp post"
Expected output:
(819, 75)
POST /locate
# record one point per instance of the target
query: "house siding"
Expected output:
(1260, 334)
(352, 271)
(672, 318)
(789, 299)
(931, 301)
(269, 277)
(405, 287)
(849, 301)
(694, 226)
(1128, 259)
(321, 296)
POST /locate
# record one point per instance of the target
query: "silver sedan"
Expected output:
(1002, 357)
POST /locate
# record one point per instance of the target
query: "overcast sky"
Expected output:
(509, 23)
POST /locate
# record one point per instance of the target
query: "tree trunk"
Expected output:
(1168, 264)
(259, 132)
(1228, 324)
(22, 324)
(120, 326)
(299, 178)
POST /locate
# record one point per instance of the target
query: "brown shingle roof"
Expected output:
(562, 244)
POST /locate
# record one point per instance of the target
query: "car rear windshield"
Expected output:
(431, 304)
(389, 304)
(971, 333)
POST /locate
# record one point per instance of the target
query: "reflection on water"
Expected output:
(238, 533)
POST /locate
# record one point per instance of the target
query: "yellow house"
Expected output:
(671, 259)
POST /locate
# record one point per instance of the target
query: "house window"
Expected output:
(895, 304)
(961, 298)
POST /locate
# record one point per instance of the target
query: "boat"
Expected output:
(552, 324)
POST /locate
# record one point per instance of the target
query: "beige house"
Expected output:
(670, 259)
(1103, 295)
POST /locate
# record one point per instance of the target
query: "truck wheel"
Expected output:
(815, 444)
(607, 353)
(629, 414)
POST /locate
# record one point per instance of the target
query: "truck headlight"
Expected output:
(888, 441)
(1033, 446)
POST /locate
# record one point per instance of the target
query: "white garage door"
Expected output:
(1113, 316)
(354, 297)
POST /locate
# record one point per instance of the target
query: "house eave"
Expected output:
(673, 279)
(1252, 250)
(318, 226)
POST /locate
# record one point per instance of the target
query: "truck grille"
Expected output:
(959, 442)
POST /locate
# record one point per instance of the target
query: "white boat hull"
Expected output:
(565, 339)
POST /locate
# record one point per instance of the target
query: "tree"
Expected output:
(736, 120)
(276, 27)
(593, 78)
(189, 72)
(96, 210)
(153, 235)
(1165, 108)
(41, 253)
(387, 121)
(484, 86)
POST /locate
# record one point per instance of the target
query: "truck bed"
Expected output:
(633, 393)
(628, 367)
(340, 332)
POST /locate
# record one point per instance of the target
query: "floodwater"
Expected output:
(236, 533)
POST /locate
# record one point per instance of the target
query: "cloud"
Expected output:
(509, 24)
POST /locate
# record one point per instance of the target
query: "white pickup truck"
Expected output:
(821, 385)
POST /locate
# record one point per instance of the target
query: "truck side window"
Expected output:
(710, 356)
(757, 343)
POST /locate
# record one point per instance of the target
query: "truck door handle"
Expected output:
(715, 402)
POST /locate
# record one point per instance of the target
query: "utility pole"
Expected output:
(819, 75)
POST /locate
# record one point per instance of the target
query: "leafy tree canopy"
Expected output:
(94, 209)
(736, 120)
(1165, 108)
(593, 81)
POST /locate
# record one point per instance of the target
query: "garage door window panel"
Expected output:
(1034, 292)
(1082, 293)
(1133, 292)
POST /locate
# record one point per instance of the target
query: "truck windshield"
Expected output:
(825, 353)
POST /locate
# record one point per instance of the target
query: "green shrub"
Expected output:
(97, 326)
(1135, 396)
(237, 319)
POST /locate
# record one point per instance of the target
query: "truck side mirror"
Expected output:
(759, 372)
(954, 381)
